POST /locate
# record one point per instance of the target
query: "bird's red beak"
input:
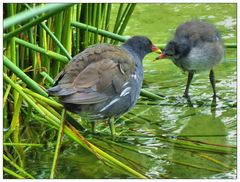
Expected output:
(162, 56)
(156, 49)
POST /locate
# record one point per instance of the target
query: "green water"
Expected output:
(147, 134)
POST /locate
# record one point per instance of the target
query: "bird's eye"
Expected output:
(170, 53)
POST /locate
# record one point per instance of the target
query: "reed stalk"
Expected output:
(43, 51)
(20, 169)
(100, 31)
(35, 21)
(9, 171)
(47, 77)
(32, 84)
(26, 15)
(205, 156)
(23, 144)
(119, 13)
(43, 99)
(58, 145)
(66, 32)
(19, 90)
(150, 95)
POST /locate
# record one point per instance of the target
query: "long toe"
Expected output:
(215, 96)
(186, 95)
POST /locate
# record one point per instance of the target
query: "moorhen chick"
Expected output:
(104, 81)
(196, 46)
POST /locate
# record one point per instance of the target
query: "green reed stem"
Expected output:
(117, 22)
(125, 19)
(99, 31)
(230, 45)
(9, 171)
(51, 54)
(26, 15)
(150, 95)
(215, 161)
(35, 21)
(108, 16)
(12, 41)
(47, 77)
(58, 33)
(59, 44)
(20, 169)
(45, 44)
(83, 18)
(43, 99)
(50, 115)
(103, 17)
(6, 95)
(32, 84)
(5, 118)
(67, 32)
(32, 54)
(23, 144)
(58, 145)
(15, 126)
(19, 90)
(90, 22)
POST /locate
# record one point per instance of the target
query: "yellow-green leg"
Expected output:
(111, 125)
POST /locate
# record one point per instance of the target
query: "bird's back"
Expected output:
(197, 32)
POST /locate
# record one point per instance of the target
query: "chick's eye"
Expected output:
(170, 53)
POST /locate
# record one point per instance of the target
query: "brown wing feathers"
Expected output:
(85, 81)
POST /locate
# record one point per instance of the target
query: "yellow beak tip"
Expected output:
(158, 51)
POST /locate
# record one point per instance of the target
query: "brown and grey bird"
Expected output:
(104, 81)
(196, 46)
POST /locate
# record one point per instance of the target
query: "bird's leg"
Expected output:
(190, 77)
(93, 127)
(212, 80)
(111, 125)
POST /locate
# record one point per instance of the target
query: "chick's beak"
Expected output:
(156, 49)
(161, 56)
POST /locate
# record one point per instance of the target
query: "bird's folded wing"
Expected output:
(94, 84)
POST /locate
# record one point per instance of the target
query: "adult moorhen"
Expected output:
(196, 46)
(104, 81)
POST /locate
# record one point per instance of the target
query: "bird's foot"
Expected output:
(214, 101)
(213, 104)
(215, 96)
(185, 95)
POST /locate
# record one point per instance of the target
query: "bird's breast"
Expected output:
(201, 58)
